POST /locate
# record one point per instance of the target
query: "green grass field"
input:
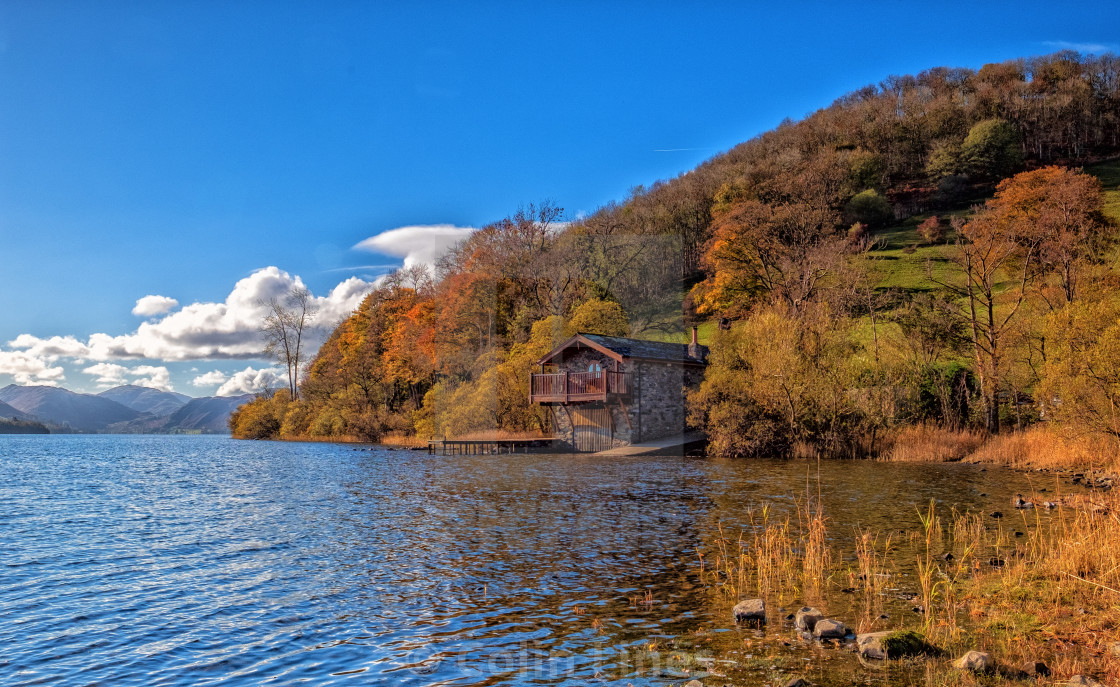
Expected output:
(901, 260)
(1109, 174)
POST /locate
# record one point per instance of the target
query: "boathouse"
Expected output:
(608, 391)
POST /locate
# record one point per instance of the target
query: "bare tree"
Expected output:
(288, 320)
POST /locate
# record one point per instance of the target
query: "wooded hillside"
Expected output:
(866, 286)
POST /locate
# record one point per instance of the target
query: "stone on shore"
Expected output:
(871, 645)
(892, 644)
(1083, 681)
(694, 683)
(806, 618)
(797, 682)
(750, 610)
(830, 629)
(1035, 669)
(976, 661)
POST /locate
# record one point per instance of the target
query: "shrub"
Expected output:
(951, 190)
(931, 230)
(871, 208)
(857, 234)
(992, 150)
(260, 418)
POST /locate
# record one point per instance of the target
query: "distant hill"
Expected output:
(9, 413)
(127, 409)
(83, 412)
(208, 414)
(143, 399)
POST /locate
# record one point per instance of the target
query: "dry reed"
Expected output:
(932, 444)
(773, 557)
(1051, 594)
(1049, 447)
(404, 440)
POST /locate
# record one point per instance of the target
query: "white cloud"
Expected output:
(203, 331)
(250, 381)
(108, 374)
(152, 376)
(28, 368)
(111, 374)
(210, 378)
(149, 306)
(420, 244)
(1083, 47)
(343, 300)
(52, 348)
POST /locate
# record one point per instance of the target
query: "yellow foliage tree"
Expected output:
(777, 378)
(1081, 376)
(597, 316)
(260, 418)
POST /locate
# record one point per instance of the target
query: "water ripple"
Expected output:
(205, 561)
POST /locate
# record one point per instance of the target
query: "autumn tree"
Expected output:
(1037, 221)
(932, 337)
(1064, 209)
(262, 417)
(759, 251)
(777, 378)
(596, 316)
(1081, 376)
(931, 230)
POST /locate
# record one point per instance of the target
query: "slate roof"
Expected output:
(636, 348)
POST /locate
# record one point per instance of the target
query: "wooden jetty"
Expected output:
(472, 447)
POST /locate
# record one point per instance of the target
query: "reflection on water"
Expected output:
(202, 560)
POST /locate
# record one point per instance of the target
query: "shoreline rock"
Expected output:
(892, 644)
(807, 618)
(830, 629)
(749, 610)
(976, 661)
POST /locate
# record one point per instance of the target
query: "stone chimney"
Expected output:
(694, 350)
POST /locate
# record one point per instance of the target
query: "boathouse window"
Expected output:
(594, 367)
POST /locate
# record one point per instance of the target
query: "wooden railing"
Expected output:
(579, 386)
(549, 385)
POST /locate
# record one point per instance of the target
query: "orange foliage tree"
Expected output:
(1039, 222)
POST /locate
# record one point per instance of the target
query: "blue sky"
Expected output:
(176, 149)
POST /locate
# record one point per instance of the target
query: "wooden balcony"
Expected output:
(579, 387)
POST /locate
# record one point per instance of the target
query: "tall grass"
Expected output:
(1051, 594)
(817, 557)
(932, 444)
(1035, 447)
(1048, 447)
(773, 557)
(873, 570)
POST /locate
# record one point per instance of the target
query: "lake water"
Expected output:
(175, 560)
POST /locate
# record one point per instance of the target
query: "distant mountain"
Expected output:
(207, 414)
(124, 409)
(146, 400)
(83, 412)
(7, 413)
